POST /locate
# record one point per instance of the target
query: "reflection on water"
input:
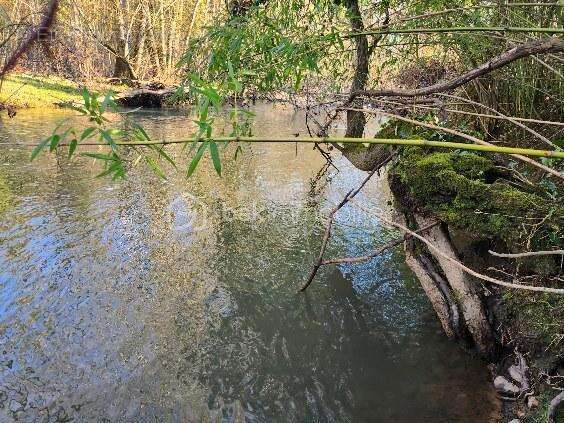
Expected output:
(145, 300)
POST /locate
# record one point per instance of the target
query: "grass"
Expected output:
(36, 91)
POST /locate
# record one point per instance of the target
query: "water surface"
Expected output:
(150, 300)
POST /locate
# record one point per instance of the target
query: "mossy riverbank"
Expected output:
(485, 208)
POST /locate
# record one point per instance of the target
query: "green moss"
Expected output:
(537, 322)
(540, 415)
(456, 187)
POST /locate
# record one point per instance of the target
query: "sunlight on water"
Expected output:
(145, 300)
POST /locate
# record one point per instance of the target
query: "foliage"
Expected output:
(269, 46)
(95, 109)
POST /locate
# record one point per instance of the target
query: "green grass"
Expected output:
(24, 90)
(37, 91)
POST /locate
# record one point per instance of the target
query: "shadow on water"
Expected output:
(145, 300)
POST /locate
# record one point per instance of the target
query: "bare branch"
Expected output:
(379, 251)
(528, 254)
(458, 264)
(464, 112)
(329, 223)
(509, 118)
(542, 46)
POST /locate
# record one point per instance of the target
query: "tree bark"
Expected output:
(122, 67)
(356, 121)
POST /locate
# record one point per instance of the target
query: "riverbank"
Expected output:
(481, 209)
(27, 90)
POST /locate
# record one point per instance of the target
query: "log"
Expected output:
(145, 97)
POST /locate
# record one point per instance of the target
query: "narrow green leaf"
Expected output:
(155, 167)
(215, 157)
(87, 132)
(55, 140)
(196, 159)
(106, 135)
(39, 148)
(165, 156)
(72, 147)
(86, 97)
(142, 131)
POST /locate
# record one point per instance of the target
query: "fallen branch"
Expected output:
(329, 223)
(463, 267)
(379, 251)
(528, 254)
(543, 46)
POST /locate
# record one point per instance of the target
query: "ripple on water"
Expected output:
(148, 301)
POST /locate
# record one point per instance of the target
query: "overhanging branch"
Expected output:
(542, 46)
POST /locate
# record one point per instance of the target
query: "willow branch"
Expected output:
(542, 46)
(482, 6)
(465, 136)
(464, 112)
(509, 29)
(486, 147)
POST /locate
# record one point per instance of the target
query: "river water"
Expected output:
(145, 300)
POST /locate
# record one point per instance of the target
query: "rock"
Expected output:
(503, 386)
(532, 402)
(521, 414)
(515, 374)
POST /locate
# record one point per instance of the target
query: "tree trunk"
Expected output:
(122, 67)
(356, 121)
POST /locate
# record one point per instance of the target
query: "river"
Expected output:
(145, 300)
